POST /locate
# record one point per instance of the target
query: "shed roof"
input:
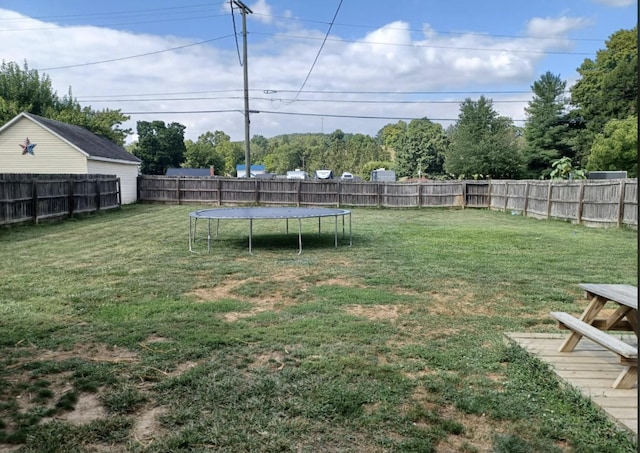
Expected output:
(174, 171)
(92, 145)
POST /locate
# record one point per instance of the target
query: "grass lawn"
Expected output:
(114, 337)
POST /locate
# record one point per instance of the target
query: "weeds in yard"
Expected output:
(118, 337)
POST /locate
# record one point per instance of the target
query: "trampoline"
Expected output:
(260, 213)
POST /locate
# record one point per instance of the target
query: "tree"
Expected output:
(483, 144)
(391, 135)
(24, 90)
(361, 149)
(608, 87)
(616, 148)
(105, 122)
(547, 126)
(420, 152)
(159, 146)
(202, 153)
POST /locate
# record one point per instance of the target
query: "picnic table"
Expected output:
(595, 324)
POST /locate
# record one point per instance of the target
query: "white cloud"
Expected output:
(262, 11)
(386, 60)
(555, 27)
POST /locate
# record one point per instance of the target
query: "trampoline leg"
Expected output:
(299, 236)
(318, 225)
(350, 236)
(335, 218)
(250, 234)
(209, 237)
(190, 248)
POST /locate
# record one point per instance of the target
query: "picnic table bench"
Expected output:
(624, 318)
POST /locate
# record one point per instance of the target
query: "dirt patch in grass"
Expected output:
(375, 312)
(87, 409)
(148, 425)
(87, 351)
(274, 301)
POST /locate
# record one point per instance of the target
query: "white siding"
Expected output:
(127, 173)
(50, 155)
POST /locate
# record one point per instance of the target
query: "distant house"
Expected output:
(34, 144)
(241, 170)
(190, 171)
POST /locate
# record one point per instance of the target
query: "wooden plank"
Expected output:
(600, 337)
(609, 399)
(622, 294)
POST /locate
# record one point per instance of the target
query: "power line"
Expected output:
(235, 32)
(386, 27)
(319, 51)
(325, 115)
(127, 13)
(428, 46)
(134, 56)
(337, 101)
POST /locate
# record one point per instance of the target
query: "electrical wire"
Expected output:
(235, 32)
(133, 56)
(325, 115)
(428, 46)
(319, 51)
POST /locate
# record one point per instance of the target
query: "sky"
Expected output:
(312, 65)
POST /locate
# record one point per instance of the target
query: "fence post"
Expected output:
(621, 202)
(506, 195)
(97, 195)
(178, 189)
(464, 194)
(339, 189)
(219, 189)
(419, 194)
(34, 199)
(299, 189)
(71, 199)
(549, 194)
(580, 202)
(256, 188)
(378, 195)
(119, 189)
(526, 198)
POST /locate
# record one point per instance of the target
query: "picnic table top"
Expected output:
(623, 294)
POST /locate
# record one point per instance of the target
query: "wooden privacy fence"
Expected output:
(593, 202)
(35, 197)
(284, 192)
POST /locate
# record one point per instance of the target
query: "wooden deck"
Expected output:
(589, 368)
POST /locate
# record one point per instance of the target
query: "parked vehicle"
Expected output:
(324, 174)
(297, 174)
(381, 175)
(347, 176)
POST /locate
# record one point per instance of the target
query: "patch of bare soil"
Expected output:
(271, 302)
(375, 312)
(87, 409)
(148, 426)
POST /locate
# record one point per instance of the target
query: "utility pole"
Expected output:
(247, 153)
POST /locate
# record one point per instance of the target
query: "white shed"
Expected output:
(34, 144)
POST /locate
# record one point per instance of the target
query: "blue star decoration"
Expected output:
(27, 147)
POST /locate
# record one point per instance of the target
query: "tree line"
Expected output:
(592, 126)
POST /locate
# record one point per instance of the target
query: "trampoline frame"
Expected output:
(265, 213)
